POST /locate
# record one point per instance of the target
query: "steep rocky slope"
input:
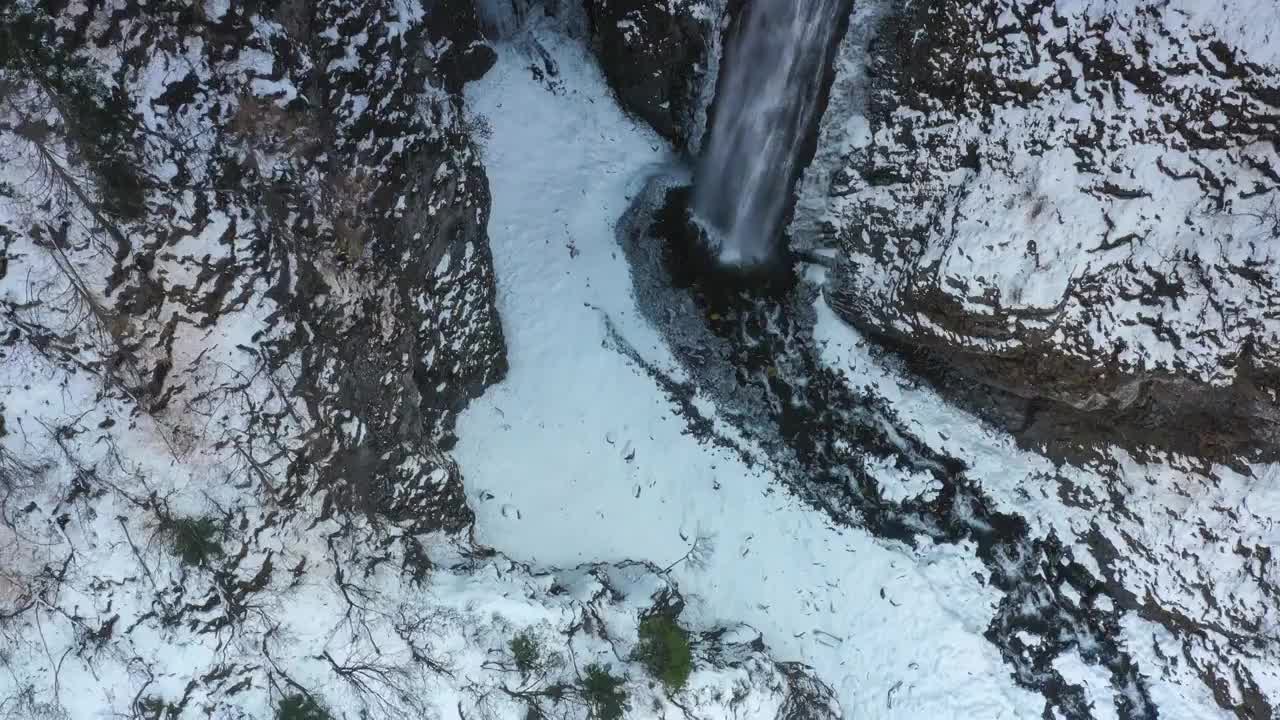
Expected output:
(327, 221)
(1074, 205)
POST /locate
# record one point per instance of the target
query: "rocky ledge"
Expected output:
(1075, 207)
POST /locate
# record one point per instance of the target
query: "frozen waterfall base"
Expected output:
(694, 261)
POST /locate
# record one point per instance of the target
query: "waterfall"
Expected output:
(769, 89)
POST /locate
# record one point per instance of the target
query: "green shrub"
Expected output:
(604, 693)
(155, 708)
(301, 707)
(664, 651)
(526, 653)
(195, 540)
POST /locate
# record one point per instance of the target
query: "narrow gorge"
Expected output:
(639, 359)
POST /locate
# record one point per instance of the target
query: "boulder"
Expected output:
(658, 58)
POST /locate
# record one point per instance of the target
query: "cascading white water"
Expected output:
(771, 80)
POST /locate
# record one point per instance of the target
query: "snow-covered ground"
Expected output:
(1099, 197)
(579, 456)
(174, 539)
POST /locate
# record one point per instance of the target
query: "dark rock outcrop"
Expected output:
(656, 57)
(455, 25)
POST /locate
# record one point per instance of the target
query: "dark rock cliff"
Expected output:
(1075, 209)
(657, 58)
(303, 180)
